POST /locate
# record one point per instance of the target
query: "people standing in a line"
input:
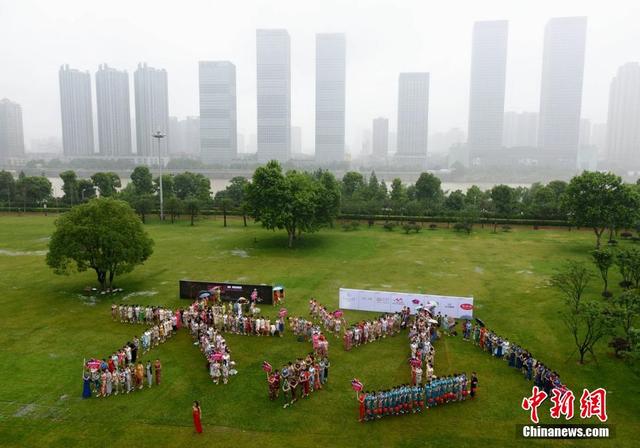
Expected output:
(158, 370)
(474, 384)
(197, 412)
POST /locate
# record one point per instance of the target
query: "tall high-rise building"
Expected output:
(184, 136)
(561, 88)
(11, 133)
(520, 129)
(584, 138)
(330, 97)
(218, 113)
(296, 140)
(413, 119)
(486, 95)
(76, 112)
(380, 147)
(273, 79)
(152, 110)
(599, 137)
(114, 111)
(623, 120)
(441, 142)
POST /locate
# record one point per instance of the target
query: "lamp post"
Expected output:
(159, 135)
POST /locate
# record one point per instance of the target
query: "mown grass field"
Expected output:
(49, 326)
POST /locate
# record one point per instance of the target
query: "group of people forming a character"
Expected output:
(388, 324)
(407, 399)
(103, 378)
(297, 379)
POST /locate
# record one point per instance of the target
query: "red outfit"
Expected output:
(361, 400)
(196, 420)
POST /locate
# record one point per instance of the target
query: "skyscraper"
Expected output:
(623, 121)
(413, 116)
(218, 119)
(114, 111)
(486, 95)
(296, 140)
(380, 137)
(520, 129)
(76, 112)
(330, 97)
(152, 110)
(561, 89)
(11, 134)
(273, 79)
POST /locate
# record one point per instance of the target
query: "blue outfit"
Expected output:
(86, 386)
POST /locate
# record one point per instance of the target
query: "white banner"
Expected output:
(391, 302)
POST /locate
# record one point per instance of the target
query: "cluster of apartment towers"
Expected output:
(558, 121)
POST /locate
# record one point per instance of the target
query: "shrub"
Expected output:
(612, 242)
(626, 234)
(635, 239)
(506, 228)
(433, 226)
(411, 226)
(349, 226)
(388, 225)
(463, 227)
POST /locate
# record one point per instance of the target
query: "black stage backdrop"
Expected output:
(230, 292)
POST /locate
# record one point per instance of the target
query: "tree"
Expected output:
(104, 235)
(628, 262)
(572, 279)
(69, 187)
(142, 180)
(503, 199)
(626, 307)
(455, 201)
(603, 259)
(7, 187)
(192, 207)
(292, 202)
(143, 205)
(173, 206)
(233, 197)
(352, 182)
(192, 185)
(428, 191)
(86, 190)
(106, 183)
(599, 201)
(33, 190)
(588, 324)
(398, 193)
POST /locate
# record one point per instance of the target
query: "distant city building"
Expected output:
(76, 112)
(486, 95)
(458, 155)
(520, 129)
(49, 145)
(623, 120)
(561, 89)
(241, 143)
(152, 110)
(273, 73)
(330, 97)
(366, 143)
(114, 112)
(218, 113)
(413, 117)
(380, 137)
(599, 137)
(11, 132)
(584, 138)
(184, 136)
(441, 142)
(393, 142)
(296, 140)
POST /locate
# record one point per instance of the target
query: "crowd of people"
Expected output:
(118, 375)
(299, 379)
(332, 321)
(517, 357)
(138, 314)
(422, 332)
(366, 331)
(410, 399)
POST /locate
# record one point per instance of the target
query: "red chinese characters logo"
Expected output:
(533, 402)
(592, 404)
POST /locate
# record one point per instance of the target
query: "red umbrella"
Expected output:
(266, 366)
(356, 385)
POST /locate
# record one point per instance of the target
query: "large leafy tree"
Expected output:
(189, 185)
(69, 186)
(600, 201)
(296, 202)
(7, 187)
(104, 235)
(106, 183)
(428, 191)
(503, 198)
(142, 180)
(32, 190)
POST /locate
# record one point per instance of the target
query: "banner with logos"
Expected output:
(391, 302)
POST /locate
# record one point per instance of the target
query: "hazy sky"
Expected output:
(383, 39)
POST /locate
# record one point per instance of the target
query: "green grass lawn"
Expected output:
(48, 327)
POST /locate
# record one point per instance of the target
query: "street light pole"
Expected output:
(159, 135)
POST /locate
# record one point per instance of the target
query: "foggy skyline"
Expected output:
(383, 39)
